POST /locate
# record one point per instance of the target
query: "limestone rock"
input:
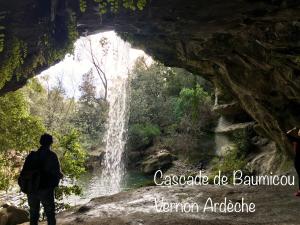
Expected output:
(94, 160)
(160, 160)
(234, 128)
(12, 215)
(228, 109)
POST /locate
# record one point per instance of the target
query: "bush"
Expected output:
(72, 158)
(142, 135)
(235, 159)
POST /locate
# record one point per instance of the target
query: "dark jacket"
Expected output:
(47, 163)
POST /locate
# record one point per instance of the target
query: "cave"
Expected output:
(249, 50)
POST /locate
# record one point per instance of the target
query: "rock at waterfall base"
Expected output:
(162, 159)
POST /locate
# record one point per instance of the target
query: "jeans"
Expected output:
(46, 197)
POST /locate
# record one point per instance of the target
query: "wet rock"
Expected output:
(94, 160)
(11, 215)
(84, 209)
(161, 159)
(273, 206)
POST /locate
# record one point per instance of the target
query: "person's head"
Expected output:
(46, 140)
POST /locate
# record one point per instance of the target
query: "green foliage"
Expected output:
(233, 160)
(114, 5)
(66, 190)
(82, 5)
(19, 130)
(150, 102)
(72, 30)
(141, 4)
(141, 135)
(29, 110)
(191, 100)
(51, 105)
(7, 172)
(72, 158)
(13, 59)
(54, 50)
(72, 154)
(170, 99)
(91, 113)
(242, 141)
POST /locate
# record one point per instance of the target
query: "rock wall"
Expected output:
(250, 50)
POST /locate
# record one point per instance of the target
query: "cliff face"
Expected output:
(250, 50)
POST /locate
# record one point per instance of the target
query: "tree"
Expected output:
(18, 129)
(194, 107)
(88, 88)
(91, 113)
(19, 132)
(94, 58)
(166, 102)
(50, 104)
(72, 158)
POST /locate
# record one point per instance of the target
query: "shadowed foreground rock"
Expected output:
(274, 205)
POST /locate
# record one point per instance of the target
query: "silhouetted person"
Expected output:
(39, 177)
(294, 137)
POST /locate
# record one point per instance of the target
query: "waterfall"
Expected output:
(115, 59)
(112, 167)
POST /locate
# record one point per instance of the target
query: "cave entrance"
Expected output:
(112, 107)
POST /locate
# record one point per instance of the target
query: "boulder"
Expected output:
(11, 215)
(161, 159)
(231, 109)
(94, 160)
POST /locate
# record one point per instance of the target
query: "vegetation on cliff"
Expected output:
(169, 108)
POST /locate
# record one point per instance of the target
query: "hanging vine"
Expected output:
(114, 5)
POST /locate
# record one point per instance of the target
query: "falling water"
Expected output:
(116, 62)
(113, 169)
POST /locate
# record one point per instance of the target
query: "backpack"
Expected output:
(30, 179)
